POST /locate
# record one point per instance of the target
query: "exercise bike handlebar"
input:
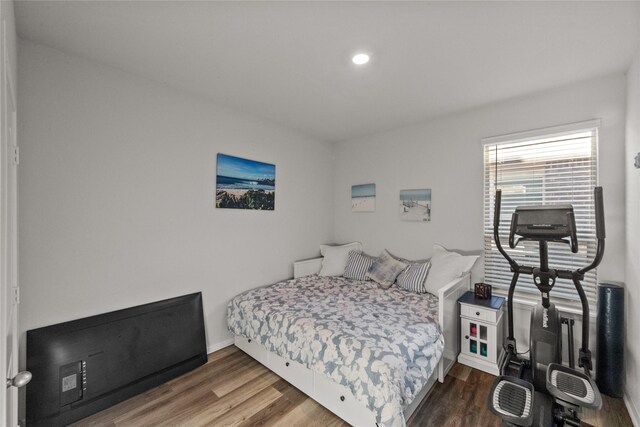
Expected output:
(600, 231)
(585, 353)
(496, 227)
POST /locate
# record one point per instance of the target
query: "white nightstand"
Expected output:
(481, 332)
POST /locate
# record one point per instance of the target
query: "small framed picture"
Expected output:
(483, 291)
(415, 205)
(363, 198)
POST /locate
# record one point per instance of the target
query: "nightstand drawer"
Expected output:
(475, 312)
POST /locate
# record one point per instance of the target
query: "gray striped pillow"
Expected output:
(358, 263)
(413, 277)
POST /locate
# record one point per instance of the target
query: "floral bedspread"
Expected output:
(381, 344)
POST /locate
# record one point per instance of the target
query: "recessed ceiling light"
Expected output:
(360, 58)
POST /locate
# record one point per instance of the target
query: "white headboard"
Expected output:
(306, 267)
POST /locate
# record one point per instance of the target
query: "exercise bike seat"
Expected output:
(512, 399)
(572, 387)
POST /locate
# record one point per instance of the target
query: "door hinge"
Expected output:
(16, 295)
(16, 155)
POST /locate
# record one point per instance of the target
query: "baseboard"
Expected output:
(219, 345)
(483, 365)
(632, 409)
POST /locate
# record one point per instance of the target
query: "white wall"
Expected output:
(446, 155)
(632, 354)
(117, 195)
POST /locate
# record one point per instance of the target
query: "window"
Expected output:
(550, 166)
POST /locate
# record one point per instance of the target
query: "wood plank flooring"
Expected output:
(232, 389)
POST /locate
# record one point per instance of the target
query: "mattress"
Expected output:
(381, 344)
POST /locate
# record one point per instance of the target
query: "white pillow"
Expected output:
(335, 258)
(446, 266)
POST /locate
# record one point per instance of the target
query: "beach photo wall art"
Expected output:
(415, 205)
(245, 184)
(363, 198)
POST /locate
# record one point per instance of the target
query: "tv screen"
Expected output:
(83, 366)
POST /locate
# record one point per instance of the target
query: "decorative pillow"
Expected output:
(335, 258)
(413, 277)
(409, 261)
(446, 266)
(358, 263)
(385, 269)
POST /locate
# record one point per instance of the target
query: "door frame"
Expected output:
(8, 235)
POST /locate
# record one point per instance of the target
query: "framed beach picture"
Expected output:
(245, 184)
(363, 198)
(415, 205)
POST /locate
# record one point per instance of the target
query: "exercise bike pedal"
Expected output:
(512, 399)
(572, 387)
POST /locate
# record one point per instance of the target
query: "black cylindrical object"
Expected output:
(610, 357)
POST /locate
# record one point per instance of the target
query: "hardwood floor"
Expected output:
(232, 389)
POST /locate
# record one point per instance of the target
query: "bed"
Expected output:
(367, 354)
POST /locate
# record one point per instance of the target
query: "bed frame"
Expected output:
(338, 398)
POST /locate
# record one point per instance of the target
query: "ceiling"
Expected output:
(290, 61)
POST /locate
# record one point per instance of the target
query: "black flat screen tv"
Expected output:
(83, 366)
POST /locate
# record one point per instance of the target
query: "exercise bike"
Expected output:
(541, 391)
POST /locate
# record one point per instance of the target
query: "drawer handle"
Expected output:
(466, 337)
(342, 398)
(477, 313)
(287, 363)
(248, 340)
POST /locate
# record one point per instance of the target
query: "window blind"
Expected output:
(544, 167)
